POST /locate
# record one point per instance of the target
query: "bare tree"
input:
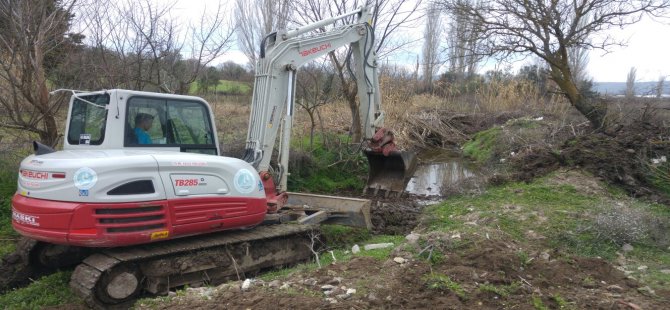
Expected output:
(548, 29)
(31, 33)
(140, 45)
(316, 87)
(630, 82)
(389, 17)
(579, 60)
(659, 86)
(255, 19)
(463, 38)
(431, 44)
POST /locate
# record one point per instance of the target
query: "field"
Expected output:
(559, 217)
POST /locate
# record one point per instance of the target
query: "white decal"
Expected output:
(25, 219)
(85, 139)
(85, 178)
(189, 163)
(244, 181)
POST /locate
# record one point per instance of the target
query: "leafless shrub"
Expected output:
(622, 223)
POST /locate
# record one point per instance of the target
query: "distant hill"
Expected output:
(619, 88)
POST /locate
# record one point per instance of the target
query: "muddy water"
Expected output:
(441, 172)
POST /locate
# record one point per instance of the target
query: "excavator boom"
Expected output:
(281, 53)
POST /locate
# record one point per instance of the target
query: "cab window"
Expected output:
(88, 119)
(161, 122)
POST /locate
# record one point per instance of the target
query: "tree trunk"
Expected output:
(356, 130)
(50, 134)
(594, 111)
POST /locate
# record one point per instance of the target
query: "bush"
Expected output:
(621, 223)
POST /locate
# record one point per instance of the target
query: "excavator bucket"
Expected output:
(389, 174)
(314, 209)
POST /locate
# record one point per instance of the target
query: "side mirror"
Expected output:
(41, 149)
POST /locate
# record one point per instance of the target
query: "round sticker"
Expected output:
(85, 178)
(244, 181)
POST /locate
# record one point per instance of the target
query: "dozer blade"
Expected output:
(331, 209)
(390, 174)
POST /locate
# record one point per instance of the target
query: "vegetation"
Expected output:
(444, 283)
(501, 290)
(224, 87)
(327, 168)
(51, 290)
(482, 146)
(7, 190)
(568, 216)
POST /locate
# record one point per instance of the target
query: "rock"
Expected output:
(331, 300)
(327, 293)
(642, 268)
(327, 287)
(285, 286)
(615, 288)
(647, 291)
(665, 271)
(310, 282)
(375, 246)
(412, 238)
(456, 236)
(627, 248)
(246, 284)
(344, 296)
(335, 281)
(274, 283)
(355, 249)
(172, 294)
(351, 291)
(399, 260)
(372, 296)
(545, 255)
(631, 151)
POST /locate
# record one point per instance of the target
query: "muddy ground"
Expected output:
(475, 273)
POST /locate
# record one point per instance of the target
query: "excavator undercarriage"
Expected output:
(116, 277)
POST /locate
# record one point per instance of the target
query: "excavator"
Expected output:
(141, 200)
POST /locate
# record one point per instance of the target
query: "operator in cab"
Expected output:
(143, 123)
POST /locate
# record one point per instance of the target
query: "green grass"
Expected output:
(442, 282)
(561, 214)
(538, 304)
(501, 290)
(51, 290)
(339, 236)
(224, 87)
(341, 255)
(482, 146)
(7, 189)
(329, 169)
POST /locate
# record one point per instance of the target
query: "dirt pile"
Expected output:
(396, 217)
(628, 158)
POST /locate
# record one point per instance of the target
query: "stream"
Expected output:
(441, 172)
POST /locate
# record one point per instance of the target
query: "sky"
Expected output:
(648, 48)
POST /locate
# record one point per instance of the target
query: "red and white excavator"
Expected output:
(141, 199)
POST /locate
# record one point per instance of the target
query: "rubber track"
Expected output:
(89, 272)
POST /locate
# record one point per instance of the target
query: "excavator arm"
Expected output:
(273, 106)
